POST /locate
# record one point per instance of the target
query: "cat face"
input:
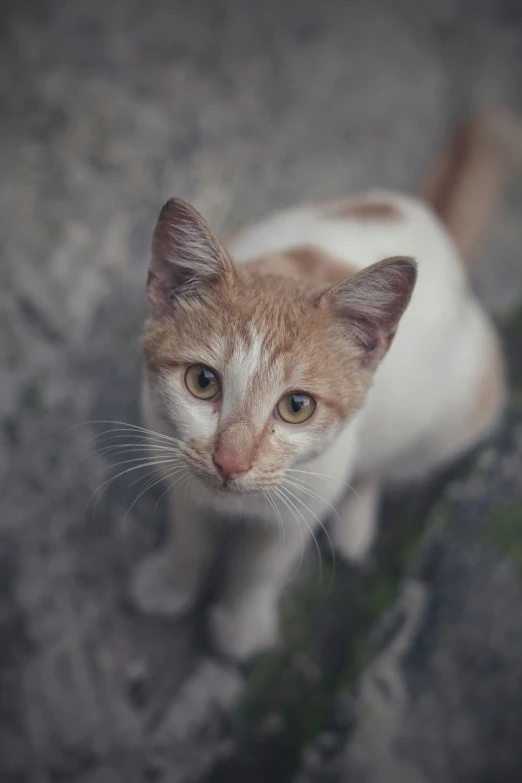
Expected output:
(255, 372)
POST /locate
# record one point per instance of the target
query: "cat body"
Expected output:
(399, 360)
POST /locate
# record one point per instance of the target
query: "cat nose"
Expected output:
(229, 465)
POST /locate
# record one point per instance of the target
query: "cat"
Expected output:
(328, 351)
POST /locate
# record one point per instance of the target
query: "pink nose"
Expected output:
(229, 465)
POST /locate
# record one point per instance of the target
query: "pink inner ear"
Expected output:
(186, 255)
(374, 300)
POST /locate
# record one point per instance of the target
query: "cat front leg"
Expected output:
(355, 527)
(245, 620)
(168, 582)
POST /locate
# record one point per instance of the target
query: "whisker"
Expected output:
(125, 432)
(185, 484)
(123, 447)
(298, 484)
(139, 440)
(319, 555)
(149, 485)
(322, 475)
(273, 505)
(125, 425)
(99, 491)
(170, 463)
(165, 448)
(152, 478)
(109, 438)
(280, 495)
(323, 528)
(122, 426)
(153, 460)
(170, 488)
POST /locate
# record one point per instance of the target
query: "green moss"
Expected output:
(440, 517)
(326, 642)
(382, 593)
(279, 675)
(504, 533)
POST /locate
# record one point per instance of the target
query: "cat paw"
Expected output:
(153, 591)
(240, 632)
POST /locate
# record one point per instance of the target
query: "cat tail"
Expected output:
(467, 181)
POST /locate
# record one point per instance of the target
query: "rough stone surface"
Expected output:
(108, 107)
(441, 701)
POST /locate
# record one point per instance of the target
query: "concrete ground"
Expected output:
(108, 107)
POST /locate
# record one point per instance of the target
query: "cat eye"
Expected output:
(202, 382)
(296, 407)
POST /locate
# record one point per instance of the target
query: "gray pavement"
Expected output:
(107, 108)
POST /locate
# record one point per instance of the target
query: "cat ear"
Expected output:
(373, 301)
(187, 257)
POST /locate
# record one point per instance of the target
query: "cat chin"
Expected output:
(230, 489)
(220, 489)
(227, 490)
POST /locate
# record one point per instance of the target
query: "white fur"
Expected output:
(414, 419)
(424, 386)
(238, 372)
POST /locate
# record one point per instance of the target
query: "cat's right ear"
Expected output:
(187, 257)
(372, 302)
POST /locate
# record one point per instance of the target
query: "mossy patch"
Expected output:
(504, 532)
(326, 641)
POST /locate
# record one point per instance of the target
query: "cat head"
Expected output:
(255, 372)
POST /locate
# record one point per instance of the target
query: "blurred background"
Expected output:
(409, 670)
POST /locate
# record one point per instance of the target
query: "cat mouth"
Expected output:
(230, 487)
(221, 486)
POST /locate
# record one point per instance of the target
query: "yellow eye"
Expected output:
(202, 382)
(296, 407)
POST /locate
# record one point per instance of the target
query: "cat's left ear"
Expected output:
(372, 302)
(187, 257)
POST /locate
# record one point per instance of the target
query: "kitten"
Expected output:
(329, 346)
